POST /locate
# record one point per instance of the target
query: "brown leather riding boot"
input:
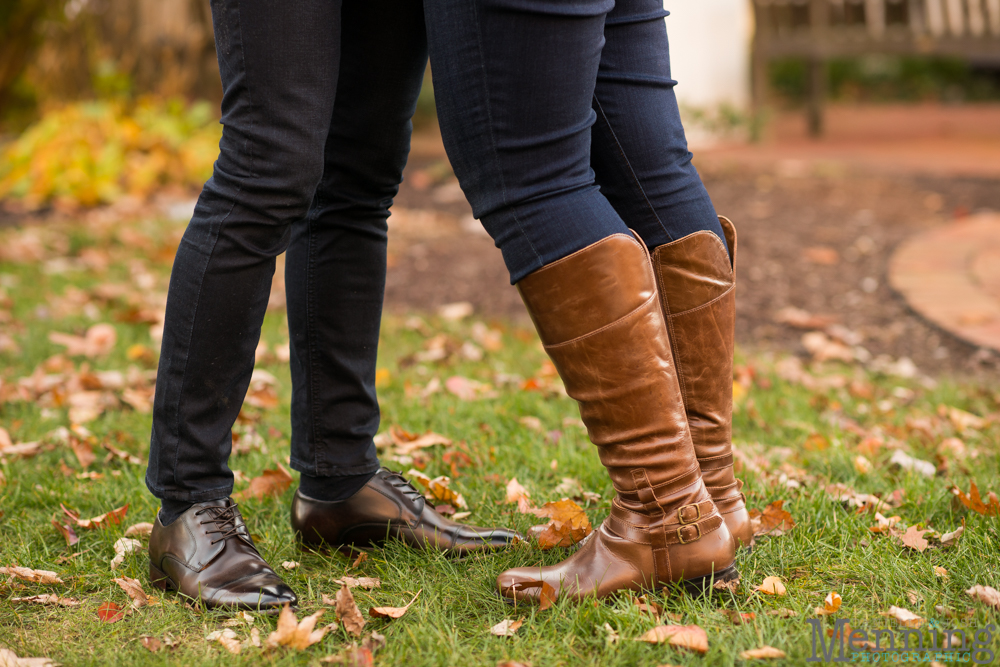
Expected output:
(207, 555)
(697, 282)
(599, 317)
(388, 507)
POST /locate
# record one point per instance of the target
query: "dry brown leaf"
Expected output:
(904, 616)
(907, 462)
(885, 524)
(940, 572)
(290, 564)
(99, 340)
(134, 590)
(611, 635)
(985, 594)
(772, 521)
(519, 495)
(682, 636)
(348, 613)
(914, 539)
(24, 449)
(83, 450)
(360, 582)
(782, 613)
(831, 604)
(67, 532)
(763, 653)
(9, 659)
(34, 576)
(296, 634)
(123, 547)
(437, 490)
(506, 628)
(392, 612)
(569, 524)
(962, 421)
(151, 644)
(141, 529)
(950, 539)
(738, 618)
(271, 482)
(49, 600)
(113, 517)
(228, 640)
(975, 503)
(772, 586)
(115, 453)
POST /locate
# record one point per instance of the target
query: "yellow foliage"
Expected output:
(92, 153)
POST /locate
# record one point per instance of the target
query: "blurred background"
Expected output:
(855, 144)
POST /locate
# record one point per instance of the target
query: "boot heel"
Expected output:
(159, 579)
(704, 584)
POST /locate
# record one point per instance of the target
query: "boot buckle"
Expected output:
(683, 520)
(680, 535)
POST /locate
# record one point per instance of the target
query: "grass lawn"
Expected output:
(798, 431)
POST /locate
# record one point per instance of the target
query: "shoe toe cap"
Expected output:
(264, 590)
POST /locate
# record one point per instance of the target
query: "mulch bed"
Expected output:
(816, 241)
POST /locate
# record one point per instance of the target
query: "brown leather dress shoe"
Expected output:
(388, 507)
(207, 555)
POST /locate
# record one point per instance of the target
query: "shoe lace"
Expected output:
(224, 519)
(403, 484)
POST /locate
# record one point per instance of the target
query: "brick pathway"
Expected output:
(951, 276)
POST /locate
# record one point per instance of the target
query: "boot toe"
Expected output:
(474, 538)
(511, 583)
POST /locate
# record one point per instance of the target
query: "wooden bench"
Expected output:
(818, 30)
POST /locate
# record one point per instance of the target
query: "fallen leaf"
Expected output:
(24, 449)
(884, 524)
(407, 443)
(134, 590)
(9, 659)
(914, 539)
(731, 585)
(772, 521)
(290, 564)
(681, 636)
(141, 529)
(772, 586)
(123, 547)
(763, 653)
(612, 635)
(962, 421)
(34, 576)
(360, 582)
(228, 639)
(985, 594)
(519, 495)
(67, 532)
(438, 491)
(109, 612)
(271, 482)
(862, 465)
(782, 613)
(830, 604)
(975, 503)
(506, 628)
(940, 572)
(904, 616)
(348, 612)
(738, 618)
(99, 340)
(569, 524)
(151, 644)
(907, 462)
(392, 612)
(84, 452)
(294, 633)
(468, 390)
(49, 600)
(546, 596)
(113, 517)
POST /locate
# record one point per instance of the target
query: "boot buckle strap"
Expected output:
(684, 514)
(680, 533)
